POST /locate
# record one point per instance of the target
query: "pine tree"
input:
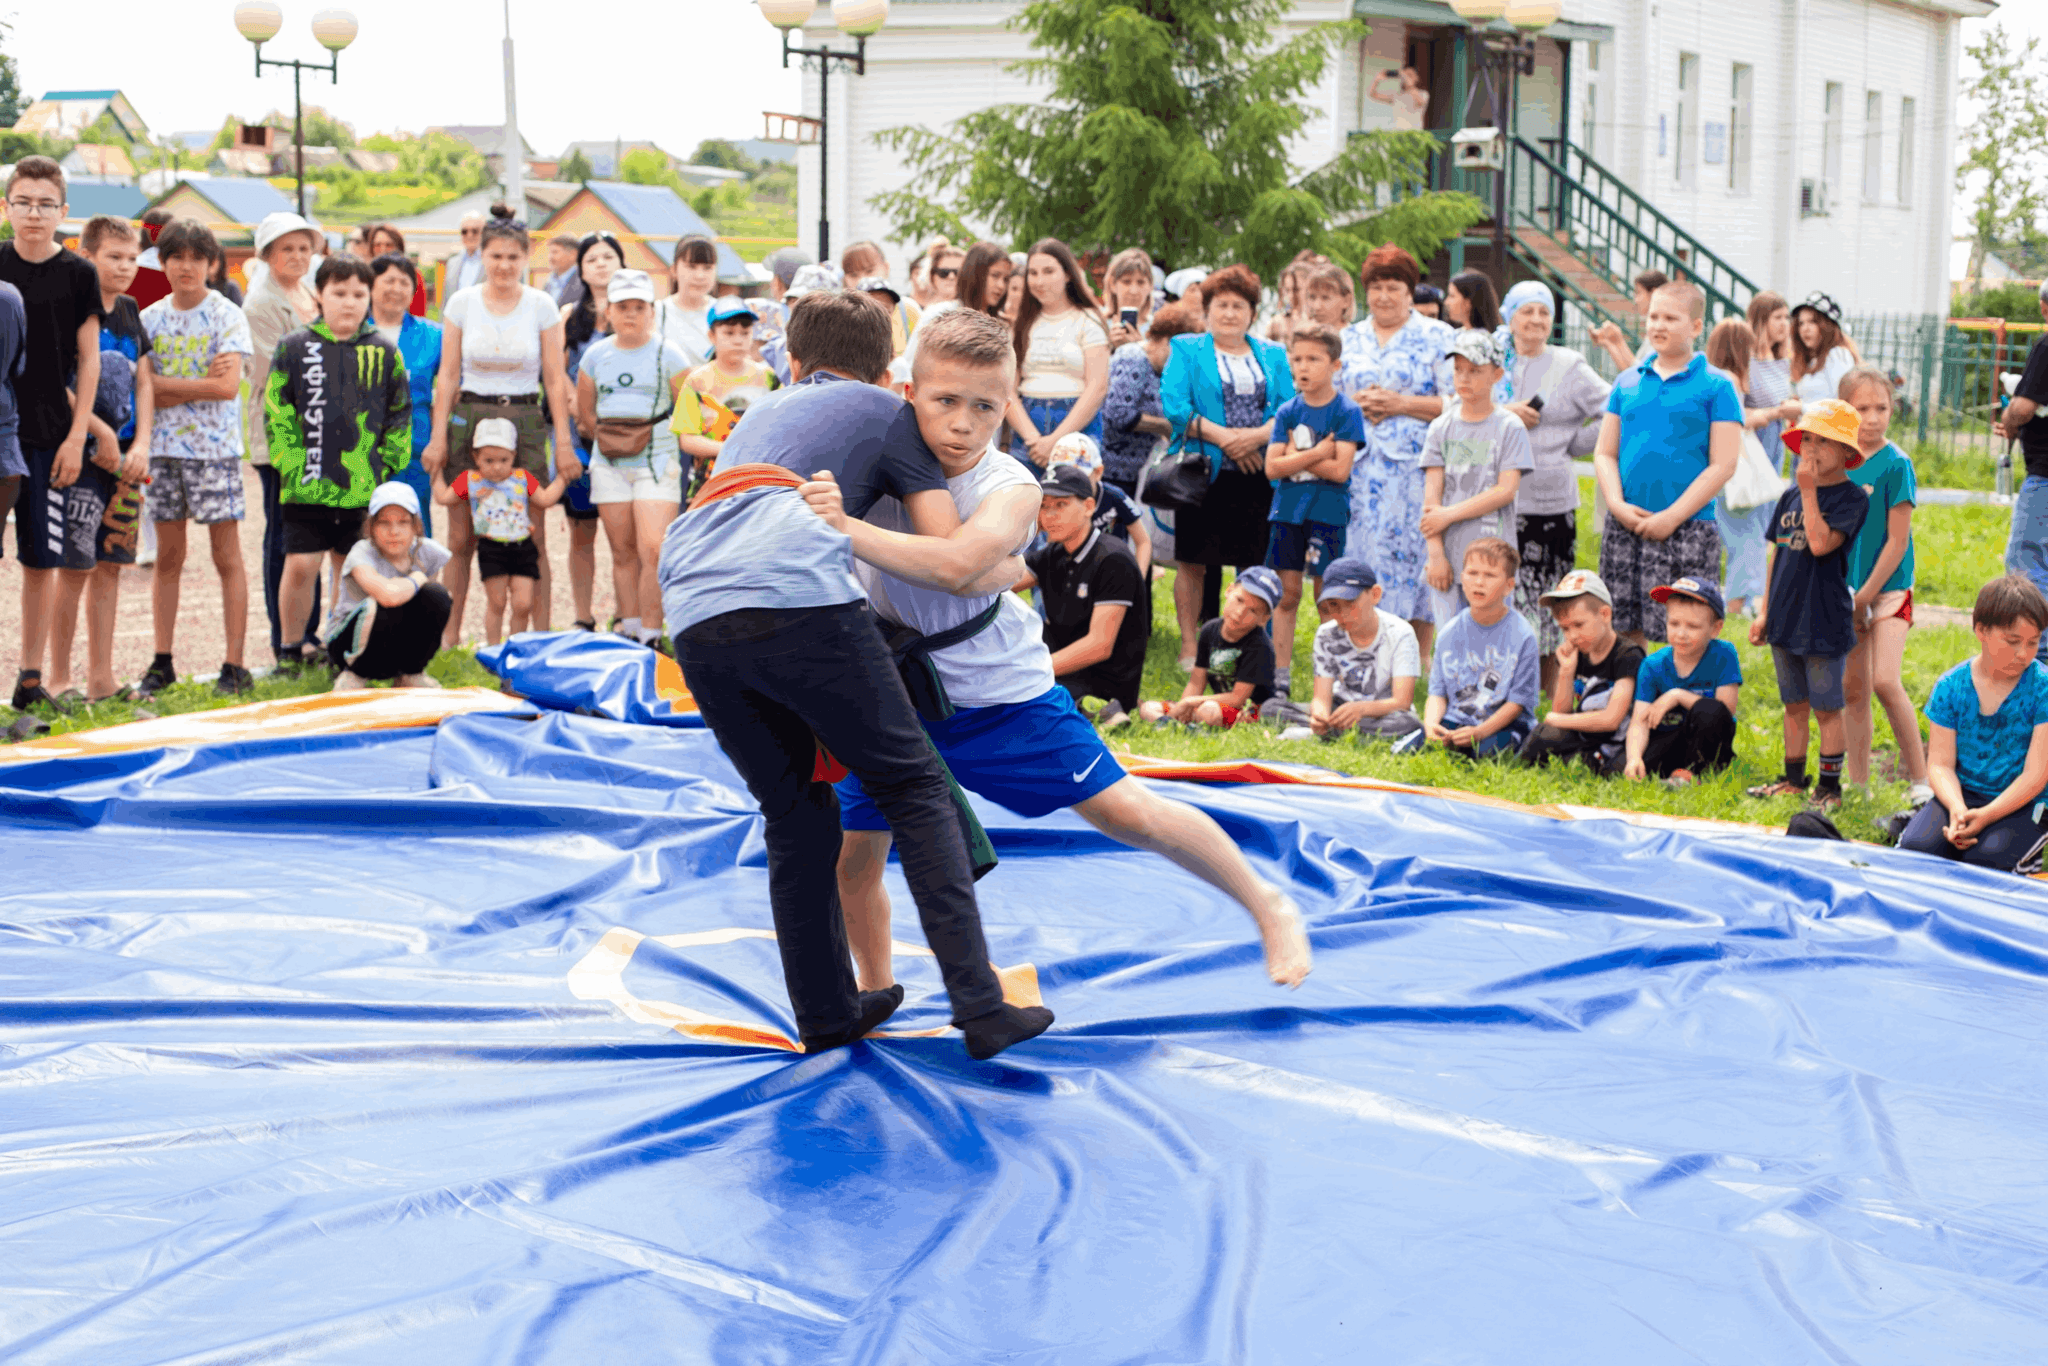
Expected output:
(575, 168)
(1167, 125)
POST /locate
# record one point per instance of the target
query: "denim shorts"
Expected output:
(1815, 679)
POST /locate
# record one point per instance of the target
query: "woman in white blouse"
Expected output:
(501, 348)
(1062, 355)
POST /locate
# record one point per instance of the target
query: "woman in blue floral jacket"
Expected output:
(1394, 369)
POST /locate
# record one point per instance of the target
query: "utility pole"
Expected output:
(515, 151)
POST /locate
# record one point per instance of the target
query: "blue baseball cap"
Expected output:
(1699, 590)
(731, 306)
(1262, 583)
(1066, 480)
(1346, 577)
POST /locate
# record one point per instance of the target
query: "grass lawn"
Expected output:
(1958, 548)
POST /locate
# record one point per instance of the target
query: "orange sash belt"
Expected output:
(743, 479)
(731, 483)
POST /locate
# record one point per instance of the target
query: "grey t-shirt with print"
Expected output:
(1366, 673)
(1472, 456)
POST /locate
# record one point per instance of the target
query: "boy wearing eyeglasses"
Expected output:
(53, 392)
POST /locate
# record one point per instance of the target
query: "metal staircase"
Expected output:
(1573, 221)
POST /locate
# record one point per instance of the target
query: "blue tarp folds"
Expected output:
(312, 1051)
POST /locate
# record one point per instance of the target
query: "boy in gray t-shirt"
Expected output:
(1472, 459)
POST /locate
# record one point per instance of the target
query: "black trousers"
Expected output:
(403, 639)
(772, 683)
(273, 567)
(1548, 742)
(1703, 739)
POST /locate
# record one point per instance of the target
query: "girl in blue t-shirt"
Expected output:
(1988, 742)
(1880, 573)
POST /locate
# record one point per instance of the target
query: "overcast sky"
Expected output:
(673, 73)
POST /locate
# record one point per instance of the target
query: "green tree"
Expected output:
(575, 168)
(2003, 148)
(322, 129)
(723, 153)
(12, 101)
(1166, 124)
(647, 166)
(441, 159)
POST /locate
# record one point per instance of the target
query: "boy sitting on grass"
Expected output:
(1687, 692)
(1482, 680)
(1233, 654)
(1987, 743)
(1367, 661)
(1595, 692)
(1809, 613)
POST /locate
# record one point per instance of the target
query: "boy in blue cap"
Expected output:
(1367, 662)
(1233, 674)
(1686, 693)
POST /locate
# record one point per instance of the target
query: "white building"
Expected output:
(1808, 144)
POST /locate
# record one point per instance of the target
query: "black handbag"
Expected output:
(1176, 478)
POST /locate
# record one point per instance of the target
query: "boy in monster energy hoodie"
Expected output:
(340, 420)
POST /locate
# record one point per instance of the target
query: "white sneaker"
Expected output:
(1919, 794)
(348, 680)
(418, 681)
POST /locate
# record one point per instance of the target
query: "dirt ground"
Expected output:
(201, 642)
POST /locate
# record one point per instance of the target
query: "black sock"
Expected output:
(873, 1008)
(162, 661)
(28, 676)
(1831, 774)
(1795, 770)
(988, 1035)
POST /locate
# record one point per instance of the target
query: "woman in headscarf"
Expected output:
(1559, 398)
(1393, 363)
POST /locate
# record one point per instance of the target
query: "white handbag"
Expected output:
(1755, 483)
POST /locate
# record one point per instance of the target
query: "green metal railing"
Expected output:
(1945, 374)
(1557, 189)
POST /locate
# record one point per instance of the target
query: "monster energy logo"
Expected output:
(370, 365)
(314, 421)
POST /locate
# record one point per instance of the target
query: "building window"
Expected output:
(1906, 151)
(1831, 137)
(1688, 117)
(1741, 96)
(1873, 147)
(1589, 109)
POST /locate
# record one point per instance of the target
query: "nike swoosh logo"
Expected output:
(1082, 776)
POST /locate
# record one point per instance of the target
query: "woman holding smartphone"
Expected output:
(1128, 282)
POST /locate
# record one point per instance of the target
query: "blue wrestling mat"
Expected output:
(465, 1043)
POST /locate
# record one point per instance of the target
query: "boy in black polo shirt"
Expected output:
(1090, 586)
(60, 377)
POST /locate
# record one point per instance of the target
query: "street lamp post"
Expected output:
(335, 29)
(855, 18)
(1503, 60)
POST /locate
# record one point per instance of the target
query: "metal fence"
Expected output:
(1945, 376)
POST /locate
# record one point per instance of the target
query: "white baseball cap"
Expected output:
(394, 495)
(498, 432)
(629, 284)
(282, 224)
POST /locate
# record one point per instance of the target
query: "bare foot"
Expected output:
(1285, 938)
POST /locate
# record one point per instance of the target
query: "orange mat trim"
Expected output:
(320, 714)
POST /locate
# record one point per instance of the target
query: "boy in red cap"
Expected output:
(1809, 614)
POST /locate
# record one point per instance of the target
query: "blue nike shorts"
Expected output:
(1033, 757)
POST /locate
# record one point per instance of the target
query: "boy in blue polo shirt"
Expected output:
(1316, 436)
(1668, 443)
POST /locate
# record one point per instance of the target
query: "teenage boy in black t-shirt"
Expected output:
(1090, 586)
(1595, 692)
(60, 377)
(109, 487)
